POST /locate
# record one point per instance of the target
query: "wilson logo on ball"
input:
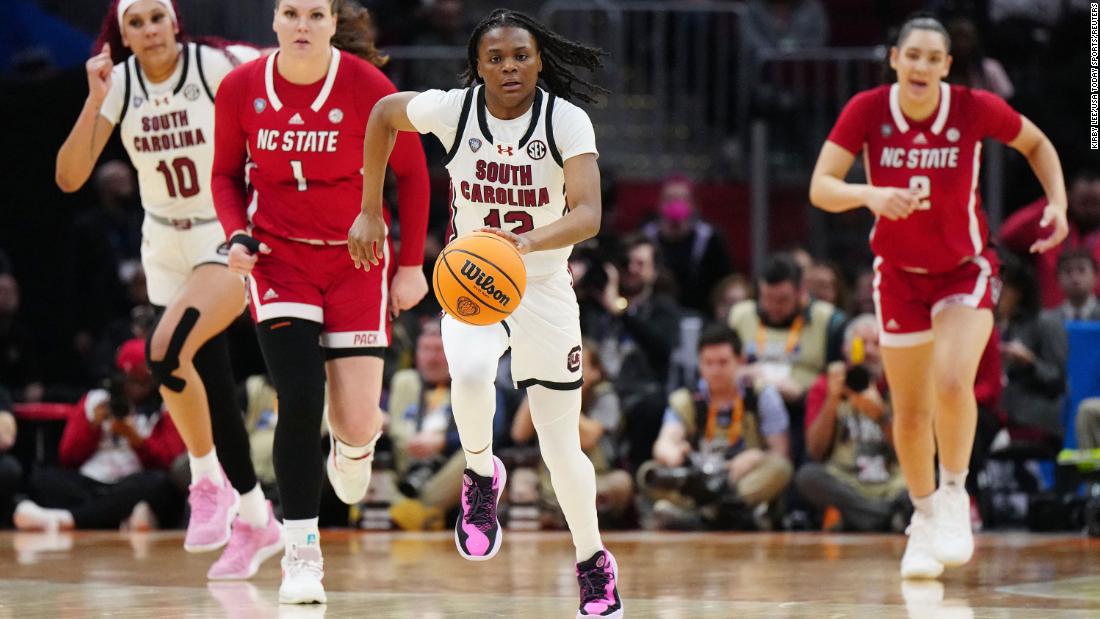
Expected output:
(467, 307)
(473, 273)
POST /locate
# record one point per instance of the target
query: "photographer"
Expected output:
(11, 472)
(117, 448)
(719, 446)
(848, 437)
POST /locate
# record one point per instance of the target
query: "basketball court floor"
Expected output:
(679, 576)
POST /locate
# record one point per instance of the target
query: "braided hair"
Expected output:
(558, 55)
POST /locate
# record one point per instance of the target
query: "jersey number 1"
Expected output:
(182, 178)
(296, 167)
(922, 187)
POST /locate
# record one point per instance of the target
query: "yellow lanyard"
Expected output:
(733, 432)
(793, 335)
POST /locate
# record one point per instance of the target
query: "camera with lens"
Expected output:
(118, 402)
(415, 480)
(704, 480)
(594, 280)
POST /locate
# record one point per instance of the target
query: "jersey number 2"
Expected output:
(922, 187)
(523, 221)
(182, 178)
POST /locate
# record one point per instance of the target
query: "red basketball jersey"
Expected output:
(939, 158)
(303, 145)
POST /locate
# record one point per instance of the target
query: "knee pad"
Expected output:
(162, 369)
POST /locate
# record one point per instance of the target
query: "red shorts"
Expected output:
(906, 301)
(320, 283)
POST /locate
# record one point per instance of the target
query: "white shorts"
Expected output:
(169, 255)
(544, 333)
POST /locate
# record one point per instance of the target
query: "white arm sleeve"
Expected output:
(437, 112)
(573, 131)
(112, 104)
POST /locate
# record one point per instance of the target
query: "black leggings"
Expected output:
(226, 420)
(296, 364)
(95, 505)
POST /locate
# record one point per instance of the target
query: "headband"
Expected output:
(125, 5)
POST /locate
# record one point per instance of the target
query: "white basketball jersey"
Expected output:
(515, 186)
(168, 132)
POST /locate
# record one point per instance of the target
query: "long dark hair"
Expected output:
(559, 54)
(355, 32)
(109, 32)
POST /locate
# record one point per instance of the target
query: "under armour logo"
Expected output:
(504, 150)
(159, 101)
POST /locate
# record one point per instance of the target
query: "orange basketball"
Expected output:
(479, 278)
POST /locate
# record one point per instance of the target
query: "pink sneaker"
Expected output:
(213, 508)
(248, 548)
(598, 578)
(477, 531)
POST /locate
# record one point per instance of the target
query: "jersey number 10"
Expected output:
(182, 179)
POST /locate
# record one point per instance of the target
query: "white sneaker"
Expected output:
(349, 477)
(303, 569)
(918, 560)
(953, 540)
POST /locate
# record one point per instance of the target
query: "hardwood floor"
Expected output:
(680, 576)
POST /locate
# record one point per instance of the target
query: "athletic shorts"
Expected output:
(320, 283)
(544, 333)
(169, 255)
(906, 301)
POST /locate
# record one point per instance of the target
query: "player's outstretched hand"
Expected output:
(367, 241)
(99, 69)
(408, 287)
(893, 203)
(1053, 215)
(244, 251)
(521, 243)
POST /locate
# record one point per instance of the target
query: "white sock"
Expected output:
(205, 467)
(950, 479)
(474, 404)
(353, 452)
(254, 508)
(922, 504)
(301, 533)
(34, 516)
(557, 420)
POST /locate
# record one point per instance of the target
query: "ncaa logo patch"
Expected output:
(475, 144)
(191, 92)
(467, 307)
(536, 150)
(137, 102)
(335, 115)
(887, 130)
(952, 135)
(259, 105)
(573, 359)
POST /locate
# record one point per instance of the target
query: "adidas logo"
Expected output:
(920, 139)
(296, 119)
(270, 294)
(893, 324)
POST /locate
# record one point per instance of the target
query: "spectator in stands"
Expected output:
(729, 291)
(636, 330)
(600, 421)
(119, 215)
(825, 282)
(849, 439)
(429, 462)
(788, 341)
(19, 370)
(117, 447)
(784, 24)
(730, 443)
(1077, 282)
(11, 472)
(862, 299)
(261, 411)
(691, 247)
(970, 66)
(988, 386)
(1020, 232)
(1034, 352)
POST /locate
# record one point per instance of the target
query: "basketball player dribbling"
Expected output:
(523, 165)
(162, 99)
(934, 285)
(287, 185)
